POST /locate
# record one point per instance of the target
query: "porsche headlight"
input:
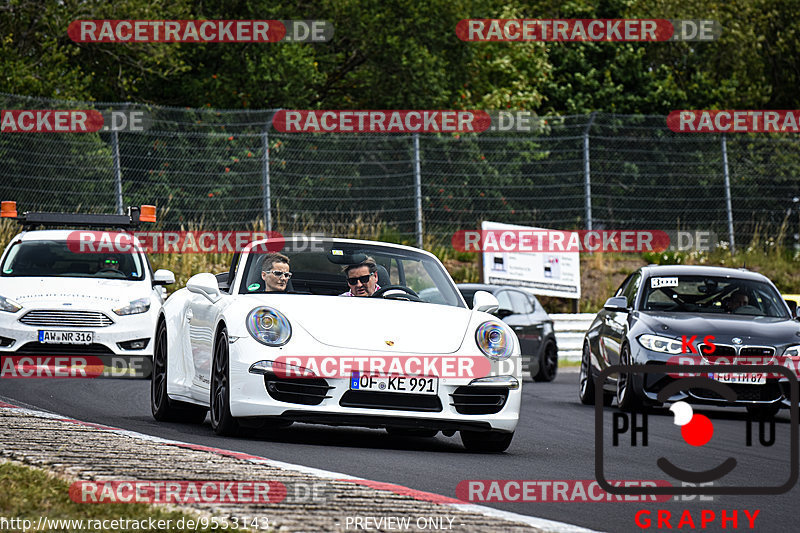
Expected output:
(494, 341)
(268, 326)
(8, 305)
(792, 351)
(657, 343)
(142, 305)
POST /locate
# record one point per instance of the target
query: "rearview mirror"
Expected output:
(484, 301)
(205, 284)
(616, 303)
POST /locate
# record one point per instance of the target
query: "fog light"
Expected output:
(135, 344)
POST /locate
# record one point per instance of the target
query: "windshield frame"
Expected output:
(370, 248)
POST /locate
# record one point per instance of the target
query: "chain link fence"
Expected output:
(227, 169)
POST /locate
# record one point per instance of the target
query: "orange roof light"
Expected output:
(8, 209)
(147, 213)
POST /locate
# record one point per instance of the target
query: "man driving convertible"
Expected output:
(362, 278)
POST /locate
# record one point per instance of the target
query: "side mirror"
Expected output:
(616, 303)
(205, 284)
(484, 301)
(502, 313)
(163, 277)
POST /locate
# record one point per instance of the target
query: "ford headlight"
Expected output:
(8, 305)
(268, 326)
(142, 305)
(494, 341)
(657, 343)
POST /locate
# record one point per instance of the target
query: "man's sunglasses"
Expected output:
(362, 279)
(279, 273)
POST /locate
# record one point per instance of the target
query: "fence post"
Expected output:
(117, 170)
(587, 183)
(267, 207)
(728, 192)
(418, 190)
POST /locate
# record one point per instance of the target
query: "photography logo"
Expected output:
(720, 447)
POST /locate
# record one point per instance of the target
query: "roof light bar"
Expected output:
(8, 209)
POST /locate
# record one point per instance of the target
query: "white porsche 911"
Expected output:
(258, 351)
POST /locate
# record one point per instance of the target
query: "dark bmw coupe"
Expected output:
(705, 315)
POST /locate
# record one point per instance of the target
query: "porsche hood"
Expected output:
(376, 324)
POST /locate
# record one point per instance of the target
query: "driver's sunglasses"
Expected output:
(362, 279)
(279, 273)
(111, 262)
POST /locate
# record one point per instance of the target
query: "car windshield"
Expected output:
(47, 258)
(704, 294)
(321, 271)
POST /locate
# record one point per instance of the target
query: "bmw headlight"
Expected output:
(792, 351)
(8, 305)
(142, 305)
(268, 326)
(494, 341)
(661, 344)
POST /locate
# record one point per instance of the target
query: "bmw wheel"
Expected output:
(628, 398)
(586, 391)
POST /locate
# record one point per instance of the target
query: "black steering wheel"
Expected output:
(111, 270)
(409, 293)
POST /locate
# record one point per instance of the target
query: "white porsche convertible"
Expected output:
(258, 356)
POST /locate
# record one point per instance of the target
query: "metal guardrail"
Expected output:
(570, 329)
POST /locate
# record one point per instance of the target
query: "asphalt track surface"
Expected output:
(555, 440)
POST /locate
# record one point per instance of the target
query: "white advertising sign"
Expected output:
(546, 273)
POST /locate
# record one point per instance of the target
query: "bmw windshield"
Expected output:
(709, 294)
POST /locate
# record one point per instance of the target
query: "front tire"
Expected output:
(586, 384)
(163, 408)
(486, 441)
(222, 422)
(628, 398)
(548, 366)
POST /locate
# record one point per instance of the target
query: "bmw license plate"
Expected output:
(741, 379)
(398, 384)
(65, 337)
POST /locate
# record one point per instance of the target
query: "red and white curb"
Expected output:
(445, 501)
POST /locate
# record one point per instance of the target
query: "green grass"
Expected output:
(29, 493)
